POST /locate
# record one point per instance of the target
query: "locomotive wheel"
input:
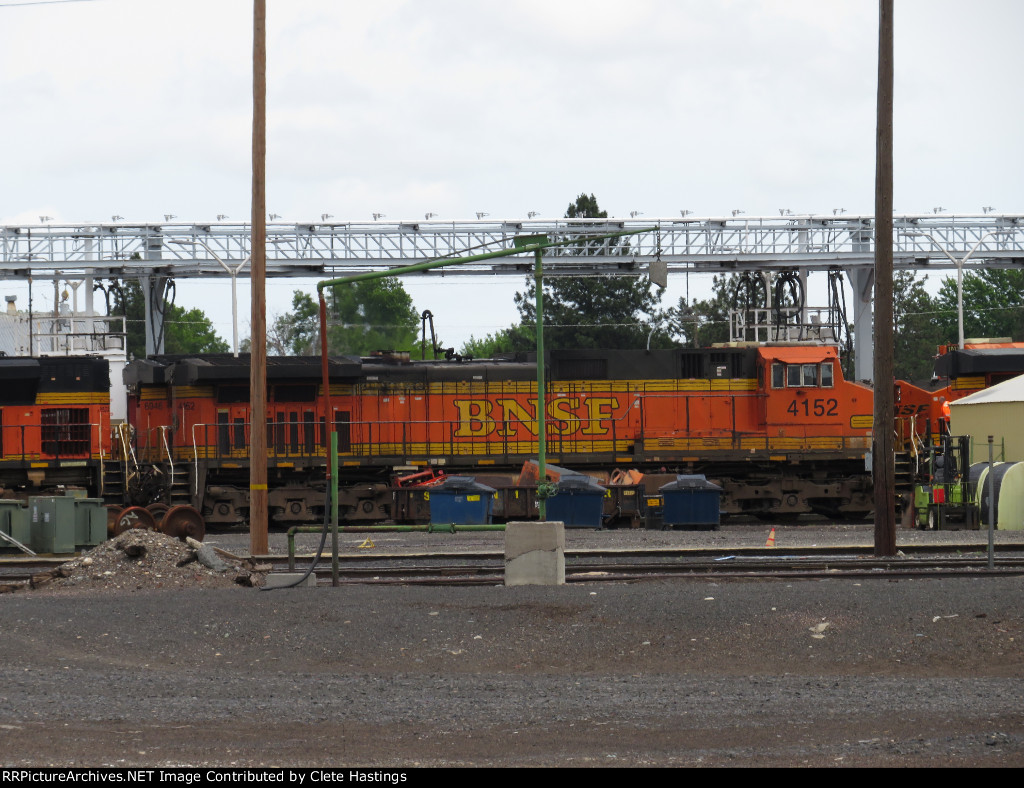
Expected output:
(158, 510)
(134, 517)
(113, 510)
(182, 522)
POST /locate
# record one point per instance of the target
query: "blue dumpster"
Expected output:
(579, 502)
(461, 500)
(692, 501)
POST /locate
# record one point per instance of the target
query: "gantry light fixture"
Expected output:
(222, 216)
(378, 216)
(169, 216)
(531, 214)
(325, 216)
(274, 216)
(481, 214)
(45, 219)
(430, 215)
(116, 218)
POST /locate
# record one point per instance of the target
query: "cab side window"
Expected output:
(826, 375)
(778, 376)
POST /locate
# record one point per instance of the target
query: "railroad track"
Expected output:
(623, 565)
(629, 566)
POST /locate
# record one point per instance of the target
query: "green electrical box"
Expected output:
(52, 524)
(14, 522)
(90, 522)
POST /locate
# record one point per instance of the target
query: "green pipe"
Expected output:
(532, 246)
(522, 244)
(334, 505)
(542, 405)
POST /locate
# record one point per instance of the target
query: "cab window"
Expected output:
(778, 376)
(826, 375)
(793, 376)
(810, 374)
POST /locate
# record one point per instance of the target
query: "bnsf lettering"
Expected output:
(506, 417)
(911, 410)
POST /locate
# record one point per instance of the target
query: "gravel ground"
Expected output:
(841, 672)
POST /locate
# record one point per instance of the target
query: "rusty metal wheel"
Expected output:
(134, 517)
(158, 510)
(113, 510)
(183, 521)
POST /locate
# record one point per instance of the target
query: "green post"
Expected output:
(521, 244)
(538, 278)
(334, 508)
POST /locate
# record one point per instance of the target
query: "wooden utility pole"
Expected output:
(883, 459)
(258, 544)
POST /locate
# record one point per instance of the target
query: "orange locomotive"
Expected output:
(924, 413)
(54, 424)
(776, 425)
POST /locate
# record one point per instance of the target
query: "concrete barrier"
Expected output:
(535, 554)
(285, 579)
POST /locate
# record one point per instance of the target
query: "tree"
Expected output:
(504, 341)
(704, 322)
(916, 335)
(591, 312)
(362, 317)
(185, 331)
(993, 304)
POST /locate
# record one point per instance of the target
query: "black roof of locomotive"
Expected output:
(192, 370)
(685, 363)
(980, 361)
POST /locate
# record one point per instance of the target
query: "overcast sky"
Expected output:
(140, 108)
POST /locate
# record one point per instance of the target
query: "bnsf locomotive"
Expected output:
(776, 426)
(55, 426)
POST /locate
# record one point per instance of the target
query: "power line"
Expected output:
(44, 2)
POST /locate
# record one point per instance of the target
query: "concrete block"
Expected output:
(535, 554)
(282, 579)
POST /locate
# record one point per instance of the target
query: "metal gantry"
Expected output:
(154, 252)
(327, 249)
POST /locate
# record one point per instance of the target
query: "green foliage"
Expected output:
(185, 331)
(590, 312)
(191, 332)
(705, 322)
(917, 335)
(361, 317)
(993, 304)
(504, 341)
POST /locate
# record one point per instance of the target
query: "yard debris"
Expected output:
(145, 560)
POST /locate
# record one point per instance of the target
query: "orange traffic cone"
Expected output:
(771, 539)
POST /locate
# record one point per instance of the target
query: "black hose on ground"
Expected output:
(320, 550)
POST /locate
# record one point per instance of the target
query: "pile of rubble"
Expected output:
(145, 560)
